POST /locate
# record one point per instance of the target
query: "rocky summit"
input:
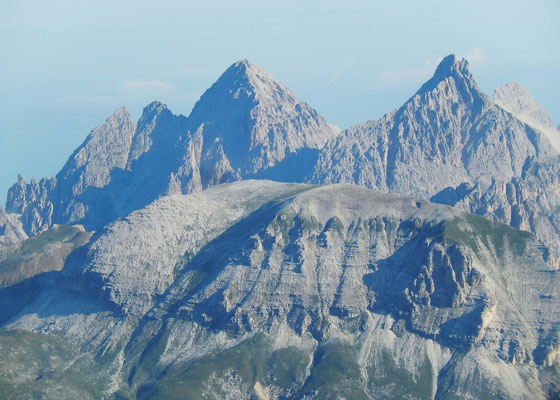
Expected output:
(252, 250)
(448, 133)
(246, 125)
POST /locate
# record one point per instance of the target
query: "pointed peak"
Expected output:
(513, 85)
(120, 114)
(151, 110)
(517, 100)
(245, 71)
(450, 66)
(121, 111)
(243, 80)
(154, 106)
(510, 91)
(244, 65)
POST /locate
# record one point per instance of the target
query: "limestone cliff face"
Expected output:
(449, 132)
(261, 289)
(529, 202)
(246, 125)
(68, 197)
(452, 144)
(266, 290)
(515, 99)
(11, 230)
(34, 202)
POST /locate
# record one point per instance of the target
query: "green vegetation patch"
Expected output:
(282, 224)
(389, 380)
(288, 367)
(467, 229)
(35, 255)
(246, 362)
(57, 234)
(335, 224)
(44, 366)
(335, 373)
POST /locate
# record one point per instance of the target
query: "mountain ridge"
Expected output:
(248, 125)
(448, 131)
(515, 99)
(205, 279)
(278, 132)
(290, 279)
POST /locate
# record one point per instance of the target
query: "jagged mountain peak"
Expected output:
(246, 83)
(255, 121)
(517, 100)
(450, 67)
(120, 112)
(244, 66)
(151, 111)
(154, 106)
(107, 141)
(449, 132)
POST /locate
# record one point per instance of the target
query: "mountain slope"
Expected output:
(39, 254)
(66, 198)
(449, 132)
(11, 230)
(246, 125)
(530, 202)
(270, 290)
(515, 99)
(249, 125)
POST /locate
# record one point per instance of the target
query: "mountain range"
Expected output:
(253, 250)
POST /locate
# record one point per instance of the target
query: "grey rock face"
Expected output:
(515, 99)
(246, 125)
(11, 230)
(530, 202)
(256, 121)
(405, 297)
(67, 198)
(90, 166)
(449, 132)
(34, 201)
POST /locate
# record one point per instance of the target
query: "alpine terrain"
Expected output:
(252, 250)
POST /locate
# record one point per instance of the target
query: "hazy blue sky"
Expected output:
(66, 65)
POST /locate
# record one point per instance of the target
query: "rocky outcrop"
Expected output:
(11, 230)
(530, 202)
(67, 198)
(34, 202)
(254, 123)
(246, 125)
(515, 99)
(282, 290)
(449, 132)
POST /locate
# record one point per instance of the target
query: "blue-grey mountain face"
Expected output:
(73, 195)
(450, 136)
(194, 287)
(246, 125)
(449, 132)
(265, 290)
